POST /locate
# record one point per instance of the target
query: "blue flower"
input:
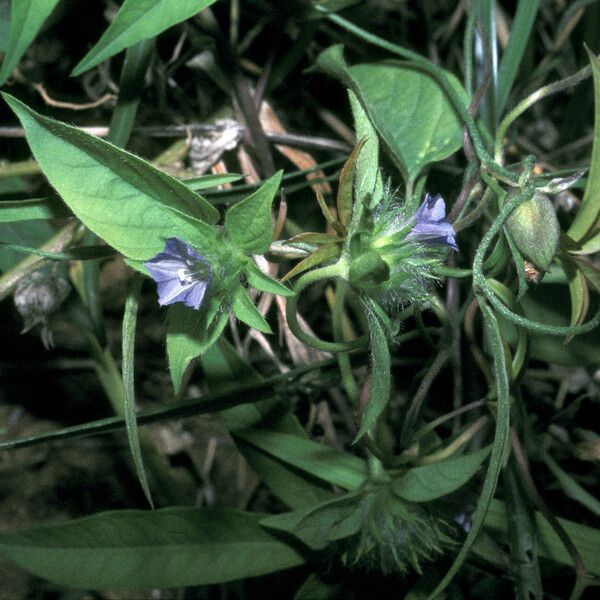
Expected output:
(181, 274)
(431, 226)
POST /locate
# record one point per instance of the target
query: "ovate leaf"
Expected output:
(428, 482)
(406, 106)
(26, 19)
(249, 223)
(139, 20)
(134, 549)
(119, 196)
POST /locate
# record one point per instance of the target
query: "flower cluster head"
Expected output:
(396, 251)
(394, 536)
(181, 274)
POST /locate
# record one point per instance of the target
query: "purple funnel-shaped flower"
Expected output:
(181, 274)
(431, 226)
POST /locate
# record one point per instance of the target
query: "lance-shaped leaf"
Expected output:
(26, 19)
(588, 214)
(369, 183)
(33, 209)
(139, 20)
(428, 482)
(244, 309)
(260, 281)
(322, 254)
(379, 395)
(249, 223)
(345, 195)
(119, 196)
(324, 462)
(135, 549)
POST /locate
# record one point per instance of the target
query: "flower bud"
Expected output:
(534, 228)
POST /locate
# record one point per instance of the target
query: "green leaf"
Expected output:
(428, 482)
(590, 271)
(4, 24)
(32, 209)
(585, 538)
(121, 197)
(207, 182)
(322, 461)
(319, 525)
(190, 333)
(406, 106)
(32, 233)
(139, 20)
(223, 367)
(570, 486)
(578, 290)
(259, 281)
(249, 223)
(517, 42)
(379, 395)
(26, 19)
(549, 303)
(589, 209)
(320, 255)
(134, 549)
(369, 183)
(499, 445)
(313, 237)
(129, 325)
(244, 309)
(345, 195)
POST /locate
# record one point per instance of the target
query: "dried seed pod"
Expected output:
(37, 297)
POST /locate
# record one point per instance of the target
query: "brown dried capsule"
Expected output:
(37, 297)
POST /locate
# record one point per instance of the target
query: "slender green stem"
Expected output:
(335, 271)
(547, 90)
(499, 445)
(348, 380)
(209, 403)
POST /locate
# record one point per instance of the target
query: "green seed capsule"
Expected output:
(534, 228)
